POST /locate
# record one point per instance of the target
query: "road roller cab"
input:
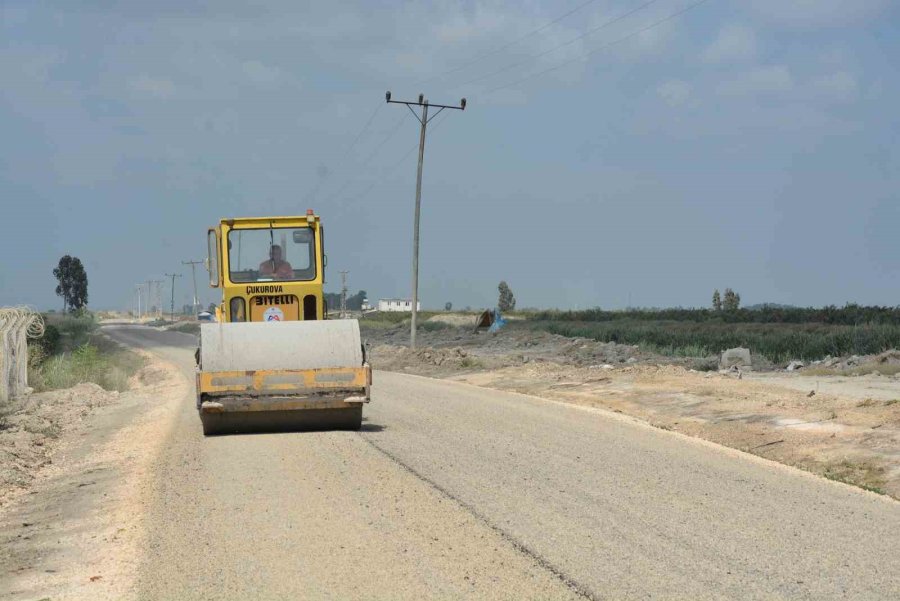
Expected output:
(272, 361)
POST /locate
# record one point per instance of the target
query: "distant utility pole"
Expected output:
(155, 299)
(344, 294)
(193, 265)
(139, 288)
(423, 120)
(172, 307)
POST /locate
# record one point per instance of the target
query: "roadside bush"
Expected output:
(74, 331)
(433, 326)
(99, 360)
(50, 341)
(188, 327)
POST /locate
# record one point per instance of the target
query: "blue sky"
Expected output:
(742, 144)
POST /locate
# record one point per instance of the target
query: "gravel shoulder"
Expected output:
(71, 523)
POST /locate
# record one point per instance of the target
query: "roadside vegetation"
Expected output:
(188, 327)
(780, 343)
(777, 333)
(72, 351)
(381, 320)
(848, 315)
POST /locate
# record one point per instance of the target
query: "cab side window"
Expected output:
(213, 260)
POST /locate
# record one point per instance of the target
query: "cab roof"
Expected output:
(294, 220)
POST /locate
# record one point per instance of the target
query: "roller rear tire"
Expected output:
(281, 421)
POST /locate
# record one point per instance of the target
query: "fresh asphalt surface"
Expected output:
(452, 491)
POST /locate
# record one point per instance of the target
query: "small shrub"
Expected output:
(469, 363)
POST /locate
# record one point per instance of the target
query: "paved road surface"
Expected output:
(452, 491)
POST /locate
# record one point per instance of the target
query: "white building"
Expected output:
(397, 304)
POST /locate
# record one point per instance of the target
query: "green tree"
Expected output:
(354, 303)
(731, 300)
(72, 283)
(506, 302)
(448, 306)
(717, 301)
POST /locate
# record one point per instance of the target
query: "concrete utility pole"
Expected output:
(423, 120)
(344, 294)
(172, 307)
(155, 299)
(193, 265)
(149, 302)
(139, 288)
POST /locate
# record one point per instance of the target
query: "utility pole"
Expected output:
(344, 294)
(154, 299)
(172, 307)
(139, 288)
(193, 265)
(423, 120)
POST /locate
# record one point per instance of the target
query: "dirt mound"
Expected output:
(458, 321)
(28, 426)
(891, 357)
(388, 356)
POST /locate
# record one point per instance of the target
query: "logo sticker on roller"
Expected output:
(273, 314)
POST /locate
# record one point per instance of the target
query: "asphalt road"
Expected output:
(452, 491)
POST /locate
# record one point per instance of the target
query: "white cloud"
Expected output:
(158, 88)
(803, 14)
(646, 44)
(840, 86)
(734, 43)
(674, 92)
(772, 79)
(261, 73)
(461, 28)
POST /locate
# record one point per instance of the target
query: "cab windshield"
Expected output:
(272, 254)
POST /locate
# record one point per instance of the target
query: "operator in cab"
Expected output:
(275, 267)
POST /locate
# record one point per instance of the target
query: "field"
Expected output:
(780, 334)
(778, 342)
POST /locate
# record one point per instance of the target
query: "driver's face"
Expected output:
(275, 253)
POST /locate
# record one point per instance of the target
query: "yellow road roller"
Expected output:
(272, 361)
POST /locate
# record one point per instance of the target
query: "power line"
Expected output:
(500, 49)
(563, 45)
(387, 173)
(346, 154)
(587, 55)
(393, 131)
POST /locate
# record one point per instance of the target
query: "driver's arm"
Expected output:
(285, 271)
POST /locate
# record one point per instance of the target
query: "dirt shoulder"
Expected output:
(842, 427)
(75, 467)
